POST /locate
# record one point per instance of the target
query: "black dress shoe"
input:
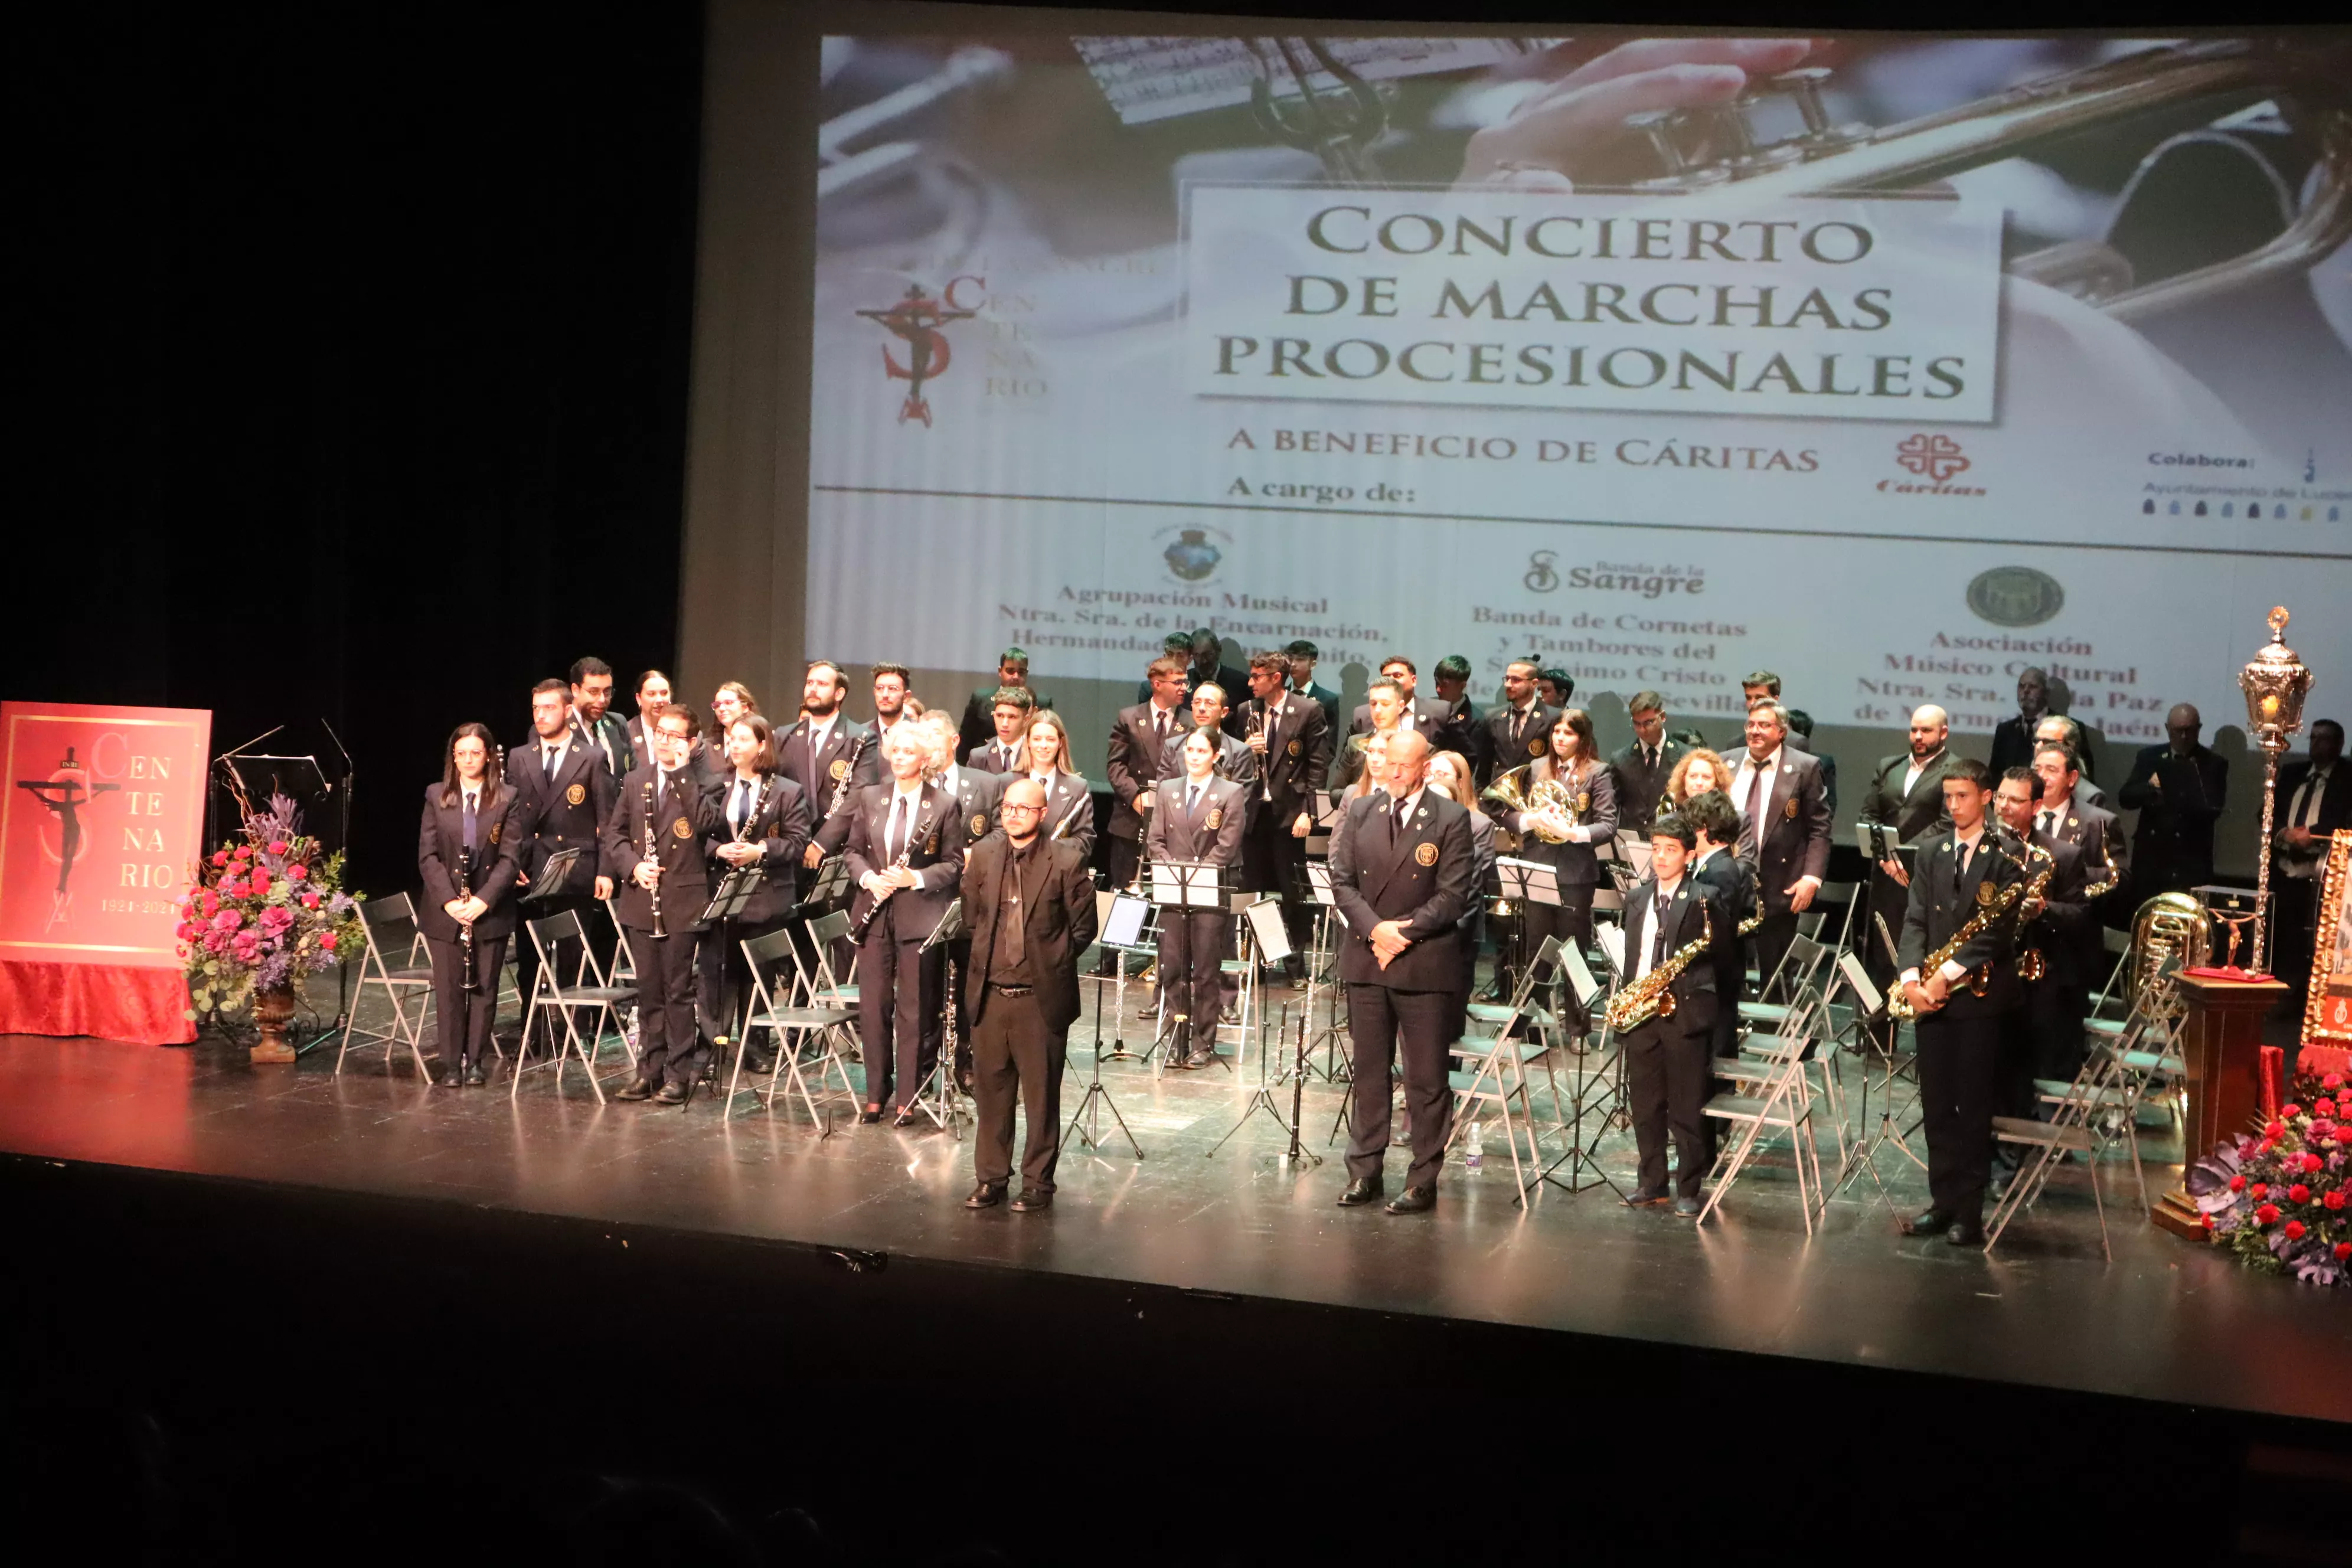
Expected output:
(1688, 1207)
(1203, 1057)
(869, 1116)
(1647, 1198)
(638, 1090)
(475, 1076)
(1033, 1203)
(906, 1116)
(986, 1196)
(758, 1061)
(1414, 1200)
(1362, 1191)
(672, 1093)
(1934, 1222)
(1966, 1233)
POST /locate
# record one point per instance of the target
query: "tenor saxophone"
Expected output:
(1653, 995)
(1898, 1005)
(2030, 964)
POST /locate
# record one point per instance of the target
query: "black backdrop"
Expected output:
(357, 352)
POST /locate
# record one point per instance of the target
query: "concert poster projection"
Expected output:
(1895, 365)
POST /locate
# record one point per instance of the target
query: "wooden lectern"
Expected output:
(2220, 1047)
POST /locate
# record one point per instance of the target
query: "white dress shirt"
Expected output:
(1646, 938)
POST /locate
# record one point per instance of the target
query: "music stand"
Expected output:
(829, 885)
(1322, 961)
(947, 1110)
(1578, 1154)
(1182, 886)
(553, 875)
(1122, 934)
(735, 890)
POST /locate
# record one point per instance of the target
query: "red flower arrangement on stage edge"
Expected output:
(2279, 1198)
(260, 915)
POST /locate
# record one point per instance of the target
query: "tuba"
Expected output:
(2168, 934)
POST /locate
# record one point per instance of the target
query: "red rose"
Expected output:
(2261, 1190)
(2238, 1183)
(328, 942)
(2266, 1214)
(2311, 1161)
(2324, 1106)
(295, 872)
(278, 846)
(2265, 1147)
(2335, 1200)
(2343, 1251)
(2209, 1221)
(2332, 1081)
(310, 901)
(2294, 1230)
(2343, 1136)
(2275, 1130)
(2298, 1194)
(2289, 1110)
(220, 857)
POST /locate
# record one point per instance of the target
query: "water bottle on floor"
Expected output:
(1476, 1156)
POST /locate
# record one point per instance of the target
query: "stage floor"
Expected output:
(2165, 1321)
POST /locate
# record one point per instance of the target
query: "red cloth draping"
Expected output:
(145, 1006)
(2321, 1060)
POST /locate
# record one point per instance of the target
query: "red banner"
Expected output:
(101, 821)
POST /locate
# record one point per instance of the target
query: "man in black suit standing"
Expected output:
(906, 855)
(652, 692)
(979, 710)
(2059, 813)
(817, 754)
(1906, 795)
(1434, 720)
(1715, 863)
(1029, 909)
(1784, 820)
(1641, 768)
(1465, 721)
(1009, 716)
(2059, 730)
(2315, 801)
(592, 702)
(1961, 872)
(2045, 1034)
(1292, 745)
(1518, 727)
(2179, 788)
(1665, 1056)
(1303, 655)
(1138, 758)
(1402, 874)
(563, 798)
(2014, 739)
(654, 849)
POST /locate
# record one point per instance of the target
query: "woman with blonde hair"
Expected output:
(1712, 771)
(1045, 756)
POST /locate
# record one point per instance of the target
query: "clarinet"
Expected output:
(841, 786)
(650, 855)
(906, 852)
(466, 891)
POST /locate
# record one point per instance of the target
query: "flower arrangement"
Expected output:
(2279, 1199)
(260, 915)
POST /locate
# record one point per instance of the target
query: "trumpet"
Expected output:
(1714, 155)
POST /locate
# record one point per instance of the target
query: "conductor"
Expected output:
(1029, 904)
(1401, 876)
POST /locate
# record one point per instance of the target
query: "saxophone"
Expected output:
(1652, 996)
(1898, 1005)
(2030, 964)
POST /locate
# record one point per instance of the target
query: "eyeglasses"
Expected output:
(1008, 809)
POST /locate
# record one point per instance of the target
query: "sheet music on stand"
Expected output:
(1526, 881)
(1634, 850)
(735, 890)
(831, 883)
(1866, 993)
(1123, 927)
(1580, 973)
(1613, 944)
(553, 875)
(950, 926)
(1188, 884)
(1273, 938)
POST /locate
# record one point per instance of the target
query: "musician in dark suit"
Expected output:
(1385, 702)
(2093, 833)
(1959, 874)
(764, 824)
(975, 793)
(465, 854)
(979, 725)
(1784, 829)
(1139, 748)
(1715, 863)
(1292, 742)
(1560, 832)
(1906, 795)
(1466, 722)
(2056, 939)
(1666, 1055)
(733, 701)
(830, 755)
(592, 702)
(1434, 720)
(1197, 818)
(2315, 801)
(2014, 738)
(1029, 908)
(2061, 729)
(653, 847)
(905, 854)
(653, 689)
(1069, 804)
(1518, 727)
(1639, 772)
(1402, 873)
(1201, 655)
(2178, 789)
(1235, 758)
(1009, 718)
(564, 797)
(1303, 656)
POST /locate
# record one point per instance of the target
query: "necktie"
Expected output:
(1962, 875)
(741, 815)
(469, 819)
(547, 761)
(895, 841)
(1760, 783)
(1015, 939)
(1192, 800)
(1649, 759)
(1658, 908)
(1159, 725)
(2047, 818)
(1396, 823)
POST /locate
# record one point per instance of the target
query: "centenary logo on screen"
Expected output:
(915, 320)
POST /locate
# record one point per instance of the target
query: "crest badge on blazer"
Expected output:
(979, 822)
(1293, 749)
(1425, 855)
(496, 828)
(840, 769)
(576, 796)
(1216, 817)
(682, 827)
(1789, 808)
